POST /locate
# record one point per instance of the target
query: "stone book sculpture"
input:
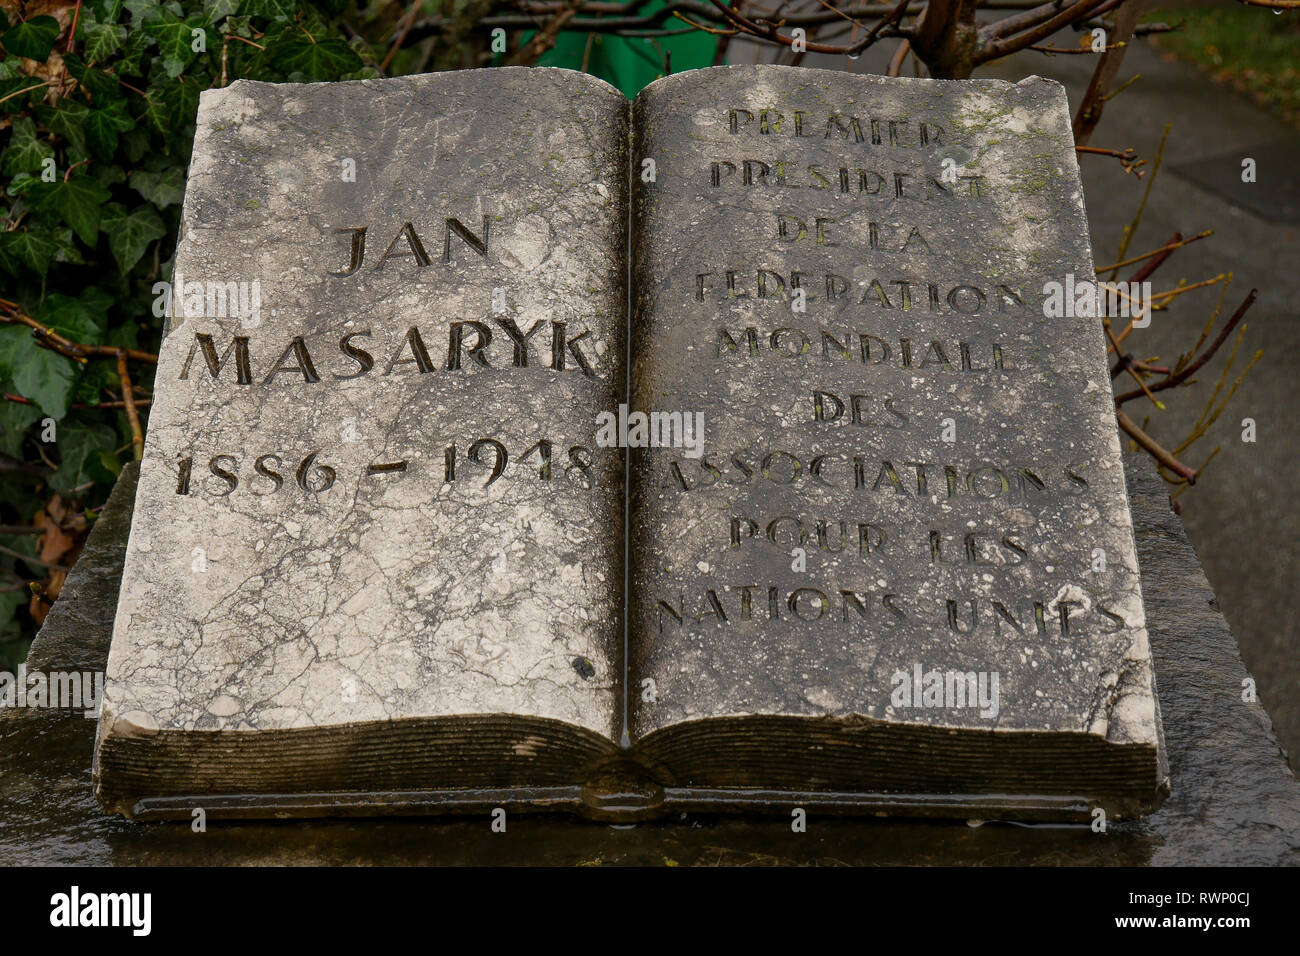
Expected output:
(516, 446)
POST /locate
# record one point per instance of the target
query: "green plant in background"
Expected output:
(1257, 53)
(97, 106)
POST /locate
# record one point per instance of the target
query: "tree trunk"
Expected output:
(946, 39)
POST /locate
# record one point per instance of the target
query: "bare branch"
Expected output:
(1089, 112)
(1154, 448)
(1179, 377)
(1009, 44)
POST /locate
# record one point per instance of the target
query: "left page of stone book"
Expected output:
(375, 545)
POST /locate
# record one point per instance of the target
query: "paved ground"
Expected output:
(1244, 517)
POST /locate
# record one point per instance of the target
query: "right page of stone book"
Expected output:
(901, 560)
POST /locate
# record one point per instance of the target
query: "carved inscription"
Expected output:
(904, 451)
(894, 474)
(481, 460)
(407, 244)
(375, 495)
(496, 343)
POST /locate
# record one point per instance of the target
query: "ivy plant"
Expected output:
(97, 108)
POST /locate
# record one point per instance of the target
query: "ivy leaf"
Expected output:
(97, 302)
(163, 188)
(172, 106)
(110, 462)
(135, 52)
(42, 375)
(155, 109)
(77, 202)
(316, 59)
(33, 39)
(12, 89)
(25, 151)
(30, 247)
(176, 40)
(107, 175)
(280, 10)
(15, 419)
(95, 379)
(65, 250)
(80, 445)
(20, 184)
(311, 22)
(67, 120)
(173, 43)
(102, 127)
(240, 26)
(144, 11)
(125, 335)
(103, 87)
(182, 101)
(101, 40)
(135, 143)
(129, 234)
(107, 11)
(70, 318)
(219, 9)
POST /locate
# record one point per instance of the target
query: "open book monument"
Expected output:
(834, 519)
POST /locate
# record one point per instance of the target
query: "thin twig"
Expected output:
(1126, 364)
(1181, 376)
(1122, 87)
(1132, 227)
(1205, 330)
(1199, 471)
(1156, 450)
(36, 561)
(1165, 250)
(1179, 290)
(1065, 49)
(409, 21)
(1125, 156)
(73, 350)
(79, 406)
(545, 38)
(766, 32)
(72, 31)
(27, 89)
(899, 58)
(132, 414)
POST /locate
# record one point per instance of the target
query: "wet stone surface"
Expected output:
(845, 276)
(1233, 799)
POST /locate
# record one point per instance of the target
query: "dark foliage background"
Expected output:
(97, 106)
